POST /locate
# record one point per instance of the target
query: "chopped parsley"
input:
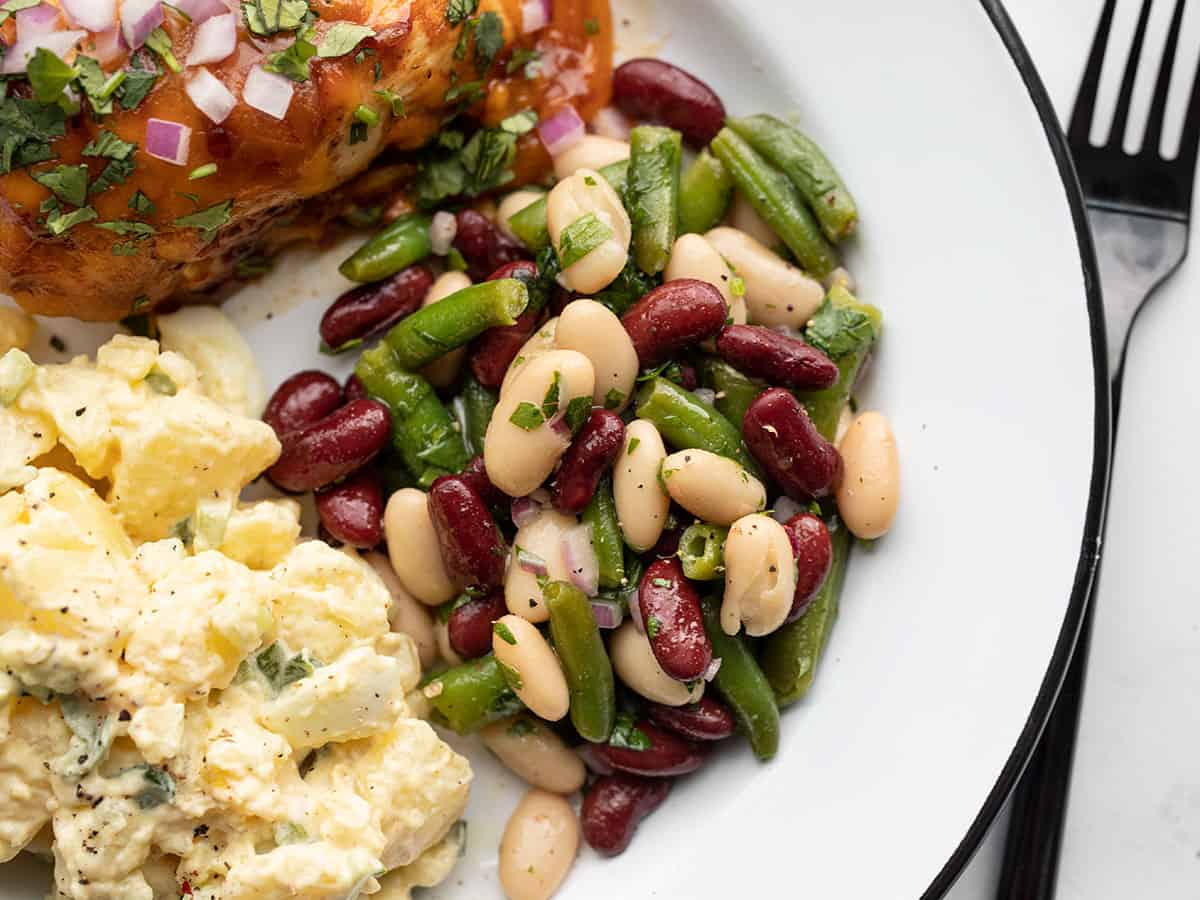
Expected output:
(503, 632)
(116, 172)
(578, 412)
(141, 204)
(837, 330)
(455, 167)
(48, 75)
(511, 675)
(58, 223)
(489, 40)
(653, 626)
(208, 220)
(138, 82)
(67, 183)
(27, 129)
(633, 445)
(125, 228)
(580, 238)
(613, 399)
(464, 92)
(98, 87)
(342, 38)
(550, 400)
(626, 289)
(458, 11)
(527, 416)
(108, 145)
(627, 736)
(293, 62)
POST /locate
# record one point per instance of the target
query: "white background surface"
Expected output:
(1134, 823)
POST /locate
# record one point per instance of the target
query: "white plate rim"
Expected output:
(1093, 530)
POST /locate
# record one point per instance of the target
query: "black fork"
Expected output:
(1139, 207)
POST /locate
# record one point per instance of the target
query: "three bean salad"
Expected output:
(604, 426)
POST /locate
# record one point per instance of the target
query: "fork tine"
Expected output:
(1190, 140)
(1089, 87)
(1162, 87)
(1116, 135)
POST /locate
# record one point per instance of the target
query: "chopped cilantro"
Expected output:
(108, 145)
(578, 412)
(268, 17)
(160, 42)
(27, 129)
(137, 84)
(511, 675)
(627, 736)
(482, 163)
(141, 204)
(633, 445)
(59, 223)
(202, 171)
(13, 6)
(653, 625)
(504, 633)
(458, 11)
(342, 38)
(580, 238)
(527, 416)
(48, 75)
(550, 400)
(837, 330)
(628, 287)
(67, 183)
(613, 399)
(293, 62)
(125, 228)
(116, 172)
(489, 40)
(464, 92)
(98, 87)
(520, 123)
(125, 248)
(208, 221)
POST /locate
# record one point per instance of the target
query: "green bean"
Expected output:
(529, 224)
(743, 685)
(652, 195)
(478, 403)
(601, 515)
(791, 654)
(735, 391)
(685, 421)
(584, 660)
(470, 696)
(810, 170)
(423, 433)
(778, 201)
(705, 192)
(845, 329)
(435, 330)
(702, 551)
(397, 247)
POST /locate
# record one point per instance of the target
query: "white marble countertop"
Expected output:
(1134, 824)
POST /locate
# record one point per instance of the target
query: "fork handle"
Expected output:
(1039, 803)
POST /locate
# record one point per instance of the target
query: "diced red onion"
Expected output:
(138, 19)
(60, 43)
(708, 395)
(201, 10)
(442, 232)
(593, 762)
(785, 508)
(608, 613)
(535, 15)
(579, 556)
(540, 495)
(94, 15)
(268, 92)
(713, 668)
(215, 40)
(524, 510)
(532, 563)
(35, 20)
(610, 122)
(210, 96)
(634, 599)
(561, 131)
(168, 141)
(109, 45)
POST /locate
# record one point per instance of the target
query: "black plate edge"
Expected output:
(1093, 529)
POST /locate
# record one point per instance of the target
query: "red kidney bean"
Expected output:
(656, 91)
(668, 543)
(371, 309)
(353, 389)
(470, 624)
(673, 316)
(494, 350)
(812, 549)
(762, 353)
(471, 544)
(587, 459)
(666, 755)
(304, 398)
(615, 805)
(780, 434)
(484, 246)
(708, 720)
(475, 474)
(352, 510)
(688, 380)
(330, 449)
(670, 610)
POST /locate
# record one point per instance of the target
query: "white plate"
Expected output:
(954, 629)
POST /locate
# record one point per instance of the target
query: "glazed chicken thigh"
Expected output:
(371, 76)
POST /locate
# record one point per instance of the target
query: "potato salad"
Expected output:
(194, 701)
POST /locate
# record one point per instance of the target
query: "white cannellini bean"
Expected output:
(539, 846)
(16, 329)
(535, 753)
(714, 488)
(518, 459)
(542, 537)
(441, 631)
(595, 331)
(535, 674)
(760, 576)
(587, 192)
(539, 343)
(694, 257)
(610, 122)
(405, 614)
(634, 663)
(414, 550)
(642, 506)
(745, 218)
(444, 370)
(593, 152)
(869, 492)
(777, 293)
(512, 204)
